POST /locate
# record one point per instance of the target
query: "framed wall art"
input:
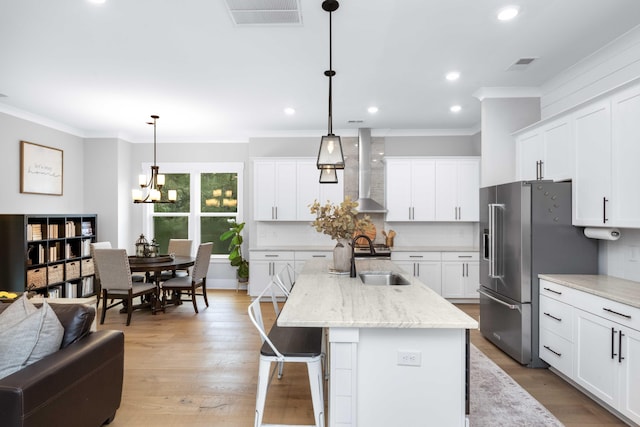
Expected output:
(40, 169)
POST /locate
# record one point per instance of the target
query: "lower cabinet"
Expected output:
(460, 275)
(425, 266)
(263, 265)
(595, 342)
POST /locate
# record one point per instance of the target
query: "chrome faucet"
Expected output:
(372, 251)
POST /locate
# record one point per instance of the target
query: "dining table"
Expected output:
(157, 265)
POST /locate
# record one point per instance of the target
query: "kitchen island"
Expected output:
(397, 354)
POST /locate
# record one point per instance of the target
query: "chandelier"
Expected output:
(330, 156)
(153, 184)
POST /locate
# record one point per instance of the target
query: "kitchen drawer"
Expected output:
(559, 292)
(460, 256)
(614, 311)
(272, 255)
(556, 351)
(307, 255)
(415, 256)
(556, 317)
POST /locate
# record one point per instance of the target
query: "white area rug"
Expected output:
(497, 400)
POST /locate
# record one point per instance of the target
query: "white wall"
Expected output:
(12, 131)
(500, 118)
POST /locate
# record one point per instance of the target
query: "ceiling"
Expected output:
(102, 70)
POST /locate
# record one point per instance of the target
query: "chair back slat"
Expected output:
(255, 315)
(180, 247)
(113, 265)
(203, 257)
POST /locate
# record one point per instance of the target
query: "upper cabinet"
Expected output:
(597, 147)
(457, 190)
(410, 189)
(284, 189)
(432, 189)
(546, 151)
(592, 185)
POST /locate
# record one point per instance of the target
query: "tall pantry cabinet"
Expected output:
(47, 254)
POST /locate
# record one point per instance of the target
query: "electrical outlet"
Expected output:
(409, 358)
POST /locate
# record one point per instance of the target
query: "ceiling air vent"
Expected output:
(521, 64)
(265, 12)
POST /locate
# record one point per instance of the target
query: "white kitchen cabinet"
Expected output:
(426, 266)
(625, 204)
(592, 184)
(546, 151)
(457, 189)
(602, 339)
(309, 189)
(460, 275)
(263, 265)
(530, 149)
(410, 189)
(275, 190)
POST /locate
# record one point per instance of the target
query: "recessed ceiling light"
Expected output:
(372, 110)
(97, 1)
(508, 13)
(455, 108)
(452, 76)
(289, 111)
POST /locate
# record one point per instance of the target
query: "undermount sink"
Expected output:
(382, 278)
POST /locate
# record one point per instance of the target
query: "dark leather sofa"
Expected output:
(79, 385)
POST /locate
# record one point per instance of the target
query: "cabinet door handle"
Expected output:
(410, 212)
(416, 256)
(604, 210)
(620, 358)
(553, 317)
(417, 268)
(465, 256)
(613, 343)
(626, 316)
(276, 212)
(318, 256)
(553, 291)
(271, 256)
(553, 351)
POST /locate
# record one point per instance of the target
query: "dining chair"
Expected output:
(197, 279)
(178, 247)
(284, 345)
(115, 278)
(96, 274)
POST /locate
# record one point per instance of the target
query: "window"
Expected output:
(208, 196)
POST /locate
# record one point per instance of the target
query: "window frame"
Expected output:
(194, 215)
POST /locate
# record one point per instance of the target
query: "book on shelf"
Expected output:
(86, 228)
(53, 231)
(87, 286)
(71, 290)
(70, 229)
(86, 247)
(54, 293)
(34, 231)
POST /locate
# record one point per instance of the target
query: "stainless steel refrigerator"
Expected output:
(525, 230)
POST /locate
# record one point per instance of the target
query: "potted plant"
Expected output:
(235, 249)
(340, 222)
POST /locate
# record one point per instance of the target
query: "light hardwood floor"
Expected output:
(187, 369)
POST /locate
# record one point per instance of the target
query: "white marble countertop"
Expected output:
(322, 299)
(620, 290)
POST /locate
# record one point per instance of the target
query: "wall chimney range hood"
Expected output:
(365, 203)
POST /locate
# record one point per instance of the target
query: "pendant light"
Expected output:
(154, 184)
(330, 155)
(328, 175)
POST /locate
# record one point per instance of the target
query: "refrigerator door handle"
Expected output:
(509, 306)
(493, 224)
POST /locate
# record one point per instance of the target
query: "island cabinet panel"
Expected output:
(595, 342)
(47, 254)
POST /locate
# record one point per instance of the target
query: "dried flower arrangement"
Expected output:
(339, 221)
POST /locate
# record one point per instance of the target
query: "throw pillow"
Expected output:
(30, 339)
(16, 312)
